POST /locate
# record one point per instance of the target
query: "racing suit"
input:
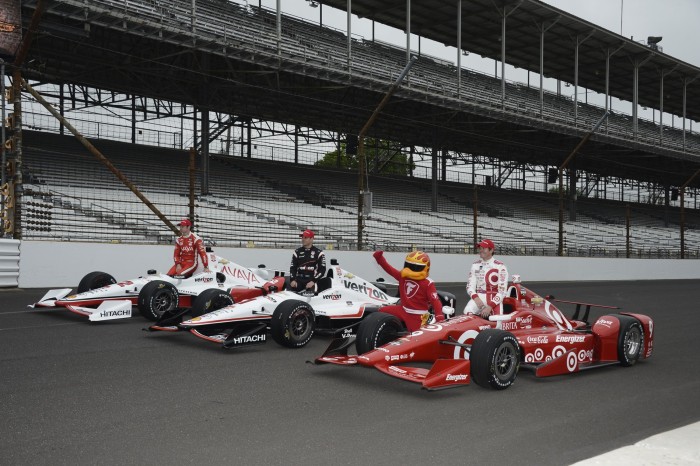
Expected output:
(489, 281)
(307, 265)
(188, 250)
(416, 297)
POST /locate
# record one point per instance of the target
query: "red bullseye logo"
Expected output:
(492, 277)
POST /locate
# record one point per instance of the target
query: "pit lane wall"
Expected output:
(45, 264)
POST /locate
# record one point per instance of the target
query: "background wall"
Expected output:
(63, 264)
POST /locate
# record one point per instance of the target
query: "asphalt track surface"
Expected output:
(75, 392)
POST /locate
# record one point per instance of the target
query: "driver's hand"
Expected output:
(206, 270)
(310, 285)
(293, 283)
(486, 312)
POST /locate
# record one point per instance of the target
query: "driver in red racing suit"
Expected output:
(487, 283)
(417, 291)
(188, 249)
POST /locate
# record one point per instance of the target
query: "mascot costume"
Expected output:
(417, 291)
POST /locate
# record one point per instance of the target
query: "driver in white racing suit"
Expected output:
(487, 283)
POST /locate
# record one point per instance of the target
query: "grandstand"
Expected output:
(258, 203)
(252, 202)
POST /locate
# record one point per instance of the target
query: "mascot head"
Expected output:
(417, 266)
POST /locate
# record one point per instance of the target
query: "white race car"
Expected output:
(101, 297)
(340, 302)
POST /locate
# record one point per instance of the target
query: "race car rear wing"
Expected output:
(578, 307)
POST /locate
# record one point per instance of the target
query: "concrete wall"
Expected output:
(63, 264)
(9, 262)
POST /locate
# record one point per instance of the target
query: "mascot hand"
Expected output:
(378, 254)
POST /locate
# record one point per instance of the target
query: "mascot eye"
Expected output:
(414, 267)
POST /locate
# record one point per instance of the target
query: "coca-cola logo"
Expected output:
(538, 340)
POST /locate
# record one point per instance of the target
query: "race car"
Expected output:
(531, 333)
(339, 303)
(100, 297)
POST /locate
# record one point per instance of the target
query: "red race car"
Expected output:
(532, 332)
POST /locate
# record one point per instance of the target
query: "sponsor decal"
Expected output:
(556, 352)
(394, 357)
(466, 338)
(456, 377)
(605, 323)
(365, 358)
(397, 370)
(509, 325)
(585, 355)
(570, 339)
(333, 296)
(347, 333)
(123, 284)
(195, 319)
(571, 362)
(204, 280)
(249, 339)
(368, 290)
(538, 340)
(119, 313)
(242, 274)
(384, 350)
(524, 320)
(410, 288)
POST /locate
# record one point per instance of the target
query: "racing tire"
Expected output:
(209, 301)
(293, 324)
(377, 329)
(630, 342)
(95, 280)
(156, 298)
(495, 359)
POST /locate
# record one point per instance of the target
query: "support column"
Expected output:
(459, 48)
(204, 155)
(408, 31)
(433, 197)
(61, 105)
(349, 31)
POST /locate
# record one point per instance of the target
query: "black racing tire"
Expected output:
(377, 329)
(95, 280)
(293, 323)
(209, 301)
(630, 342)
(156, 298)
(495, 359)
